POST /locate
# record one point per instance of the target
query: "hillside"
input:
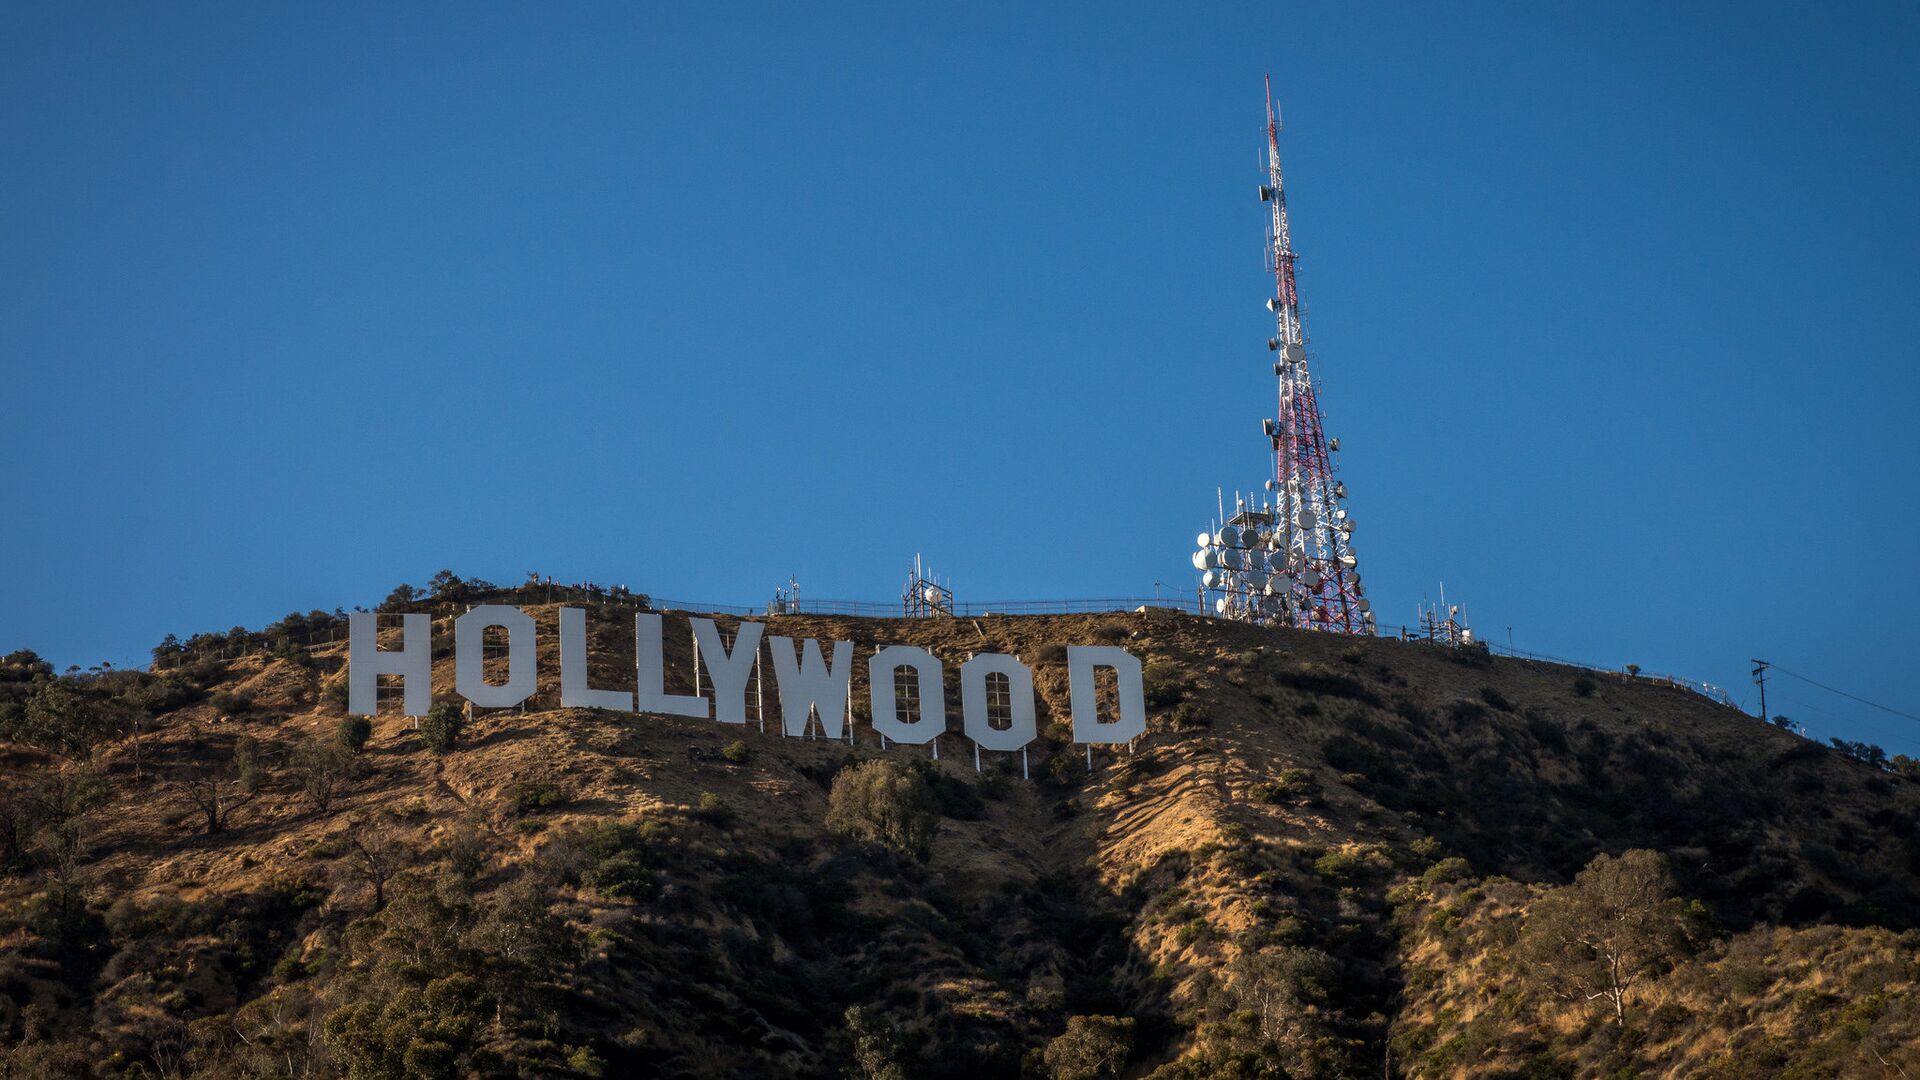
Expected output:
(1320, 861)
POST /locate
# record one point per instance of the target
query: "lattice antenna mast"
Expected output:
(1286, 302)
(1317, 529)
(1289, 561)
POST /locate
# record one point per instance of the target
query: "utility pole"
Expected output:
(1760, 680)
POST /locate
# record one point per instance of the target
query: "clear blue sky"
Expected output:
(1614, 305)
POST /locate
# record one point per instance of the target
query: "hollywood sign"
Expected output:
(809, 685)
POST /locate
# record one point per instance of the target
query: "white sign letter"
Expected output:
(973, 702)
(1087, 728)
(807, 681)
(933, 698)
(573, 668)
(729, 671)
(469, 656)
(367, 661)
(649, 655)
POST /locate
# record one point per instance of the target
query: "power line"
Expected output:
(1844, 694)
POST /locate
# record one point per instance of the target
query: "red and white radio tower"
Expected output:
(1288, 559)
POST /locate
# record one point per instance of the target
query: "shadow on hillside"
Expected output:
(1761, 834)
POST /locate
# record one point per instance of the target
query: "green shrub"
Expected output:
(442, 728)
(232, 702)
(882, 802)
(1291, 783)
(530, 795)
(1349, 861)
(1449, 869)
(354, 733)
(737, 751)
(613, 860)
(955, 797)
(1189, 716)
(714, 809)
(1163, 684)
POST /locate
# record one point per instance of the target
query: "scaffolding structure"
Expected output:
(1444, 624)
(1287, 559)
(925, 597)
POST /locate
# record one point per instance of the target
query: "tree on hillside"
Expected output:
(54, 813)
(402, 597)
(69, 716)
(876, 1048)
(527, 945)
(1619, 922)
(445, 585)
(1090, 1048)
(169, 652)
(1282, 986)
(324, 770)
(217, 789)
(885, 803)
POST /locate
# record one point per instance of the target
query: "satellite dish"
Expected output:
(1229, 536)
(1311, 578)
(1200, 559)
(1349, 561)
(1220, 606)
(1256, 578)
(931, 593)
(1205, 540)
(1364, 605)
(1307, 518)
(1210, 579)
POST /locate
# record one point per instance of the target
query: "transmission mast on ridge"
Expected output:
(1288, 560)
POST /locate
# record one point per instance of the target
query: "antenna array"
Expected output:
(1288, 559)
